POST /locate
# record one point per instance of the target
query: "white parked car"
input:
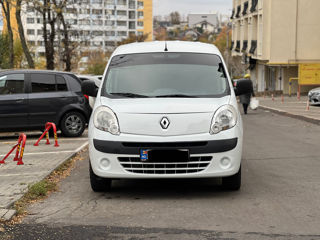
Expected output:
(165, 110)
(97, 81)
(314, 96)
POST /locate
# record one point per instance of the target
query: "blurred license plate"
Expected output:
(150, 155)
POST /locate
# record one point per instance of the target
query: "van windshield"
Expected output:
(165, 75)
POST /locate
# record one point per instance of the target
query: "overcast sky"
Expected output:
(165, 7)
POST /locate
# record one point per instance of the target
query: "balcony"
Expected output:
(254, 4)
(232, 44)
(238, 11)
(244, 46)
(253, 46)
(237, 49)
(245, 8)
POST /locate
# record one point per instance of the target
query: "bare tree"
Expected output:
(49, 17)
(6, 6)
(175, 18)
(21, 35)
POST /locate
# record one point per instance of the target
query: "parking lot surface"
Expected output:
(279, 198)
(39, 161)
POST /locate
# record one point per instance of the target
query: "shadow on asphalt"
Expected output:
(166, 188)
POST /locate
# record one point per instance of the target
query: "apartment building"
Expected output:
(274, 37)
(97, 25)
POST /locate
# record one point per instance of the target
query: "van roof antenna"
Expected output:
(166, 47)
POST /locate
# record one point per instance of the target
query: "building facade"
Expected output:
(207, 22)
(96, 25)
(274, 37)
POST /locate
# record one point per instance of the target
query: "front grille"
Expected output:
(194, 165)
(165, 144)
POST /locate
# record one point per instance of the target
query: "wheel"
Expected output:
(99, 184)
(233, 182)
(72, 124)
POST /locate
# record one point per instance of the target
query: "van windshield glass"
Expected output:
(165, 75)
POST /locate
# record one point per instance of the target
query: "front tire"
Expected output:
(233, 182)
(72, 124)
(99, 184)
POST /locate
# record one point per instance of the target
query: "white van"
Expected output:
(165, 110)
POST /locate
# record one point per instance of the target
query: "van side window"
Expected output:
(12, 84)
(61, 84)
(43, 82)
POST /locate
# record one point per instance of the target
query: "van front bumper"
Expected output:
(208, 158)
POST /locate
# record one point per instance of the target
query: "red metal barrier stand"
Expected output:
(48, 126)
(19, 152)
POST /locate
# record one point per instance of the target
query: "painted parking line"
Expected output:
(57, 152)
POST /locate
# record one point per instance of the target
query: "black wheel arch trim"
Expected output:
(213, 146)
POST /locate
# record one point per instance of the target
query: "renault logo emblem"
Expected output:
(164, 122)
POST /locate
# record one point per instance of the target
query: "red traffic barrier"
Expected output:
(48, 126)
(19, 152)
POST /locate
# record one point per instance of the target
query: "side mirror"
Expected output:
(243, 86)
(89, 88)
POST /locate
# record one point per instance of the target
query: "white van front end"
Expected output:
(165, 115)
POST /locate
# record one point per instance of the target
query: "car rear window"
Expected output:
(12, 84)
(47, 83)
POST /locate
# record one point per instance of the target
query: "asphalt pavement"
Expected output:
(279, 198)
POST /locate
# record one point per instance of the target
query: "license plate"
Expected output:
(152, 155)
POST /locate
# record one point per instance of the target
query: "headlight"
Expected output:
(224, 118)
(105, 120)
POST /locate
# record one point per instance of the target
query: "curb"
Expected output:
(283, 113)
(6, 214)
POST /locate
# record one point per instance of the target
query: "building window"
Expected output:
(97, 11)
(110, 33)
(140, 4)
(132, 14)
(140, 24)
(97, 1)
(238, 46)
(97, 22)
(122, 13)
(122, 33)
(121, 23)
(122, 2)
(253, 5)
(132, 4)
(245, 45)
(72, 10)
(30, 31)
(132, 25)
(253, 46)
(109, 43)
(40, 32)
(97, 33)
(238, 11)
(232, 15)
(245, 8)
(30, 20)
(109, 23)
(30, 9)
(140, 14)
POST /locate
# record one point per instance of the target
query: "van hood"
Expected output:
(142, 116)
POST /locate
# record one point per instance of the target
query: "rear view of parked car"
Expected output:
(29, 99)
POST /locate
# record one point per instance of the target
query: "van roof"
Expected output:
(172, 46)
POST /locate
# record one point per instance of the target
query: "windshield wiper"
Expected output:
(175, 96)
(130, 95)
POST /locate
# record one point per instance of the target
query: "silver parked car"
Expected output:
(314, 96)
